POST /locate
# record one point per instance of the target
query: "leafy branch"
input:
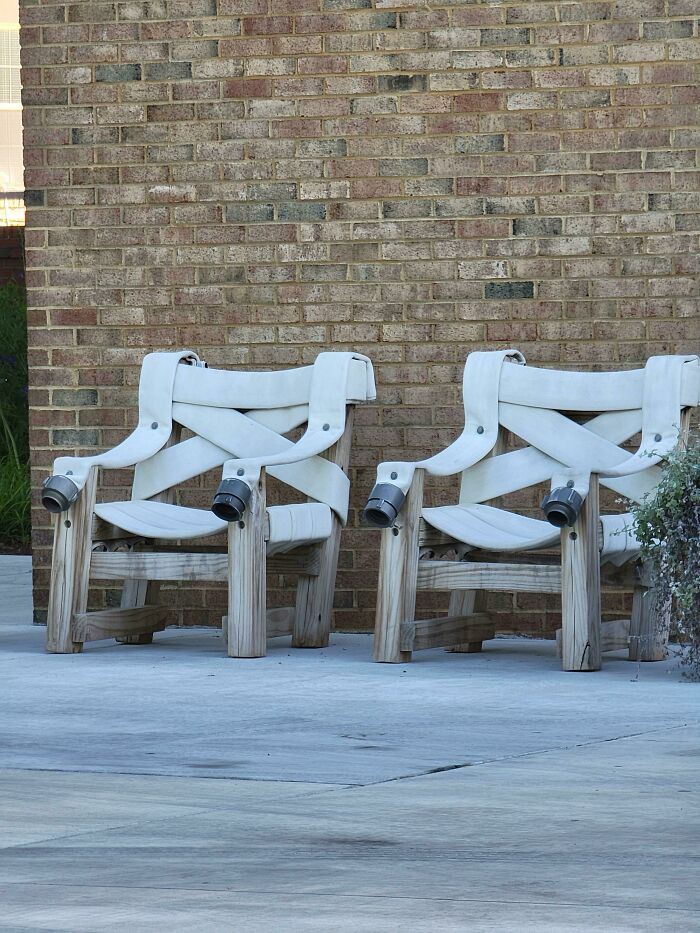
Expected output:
(667, 525)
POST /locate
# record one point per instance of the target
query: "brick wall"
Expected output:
(260, 180)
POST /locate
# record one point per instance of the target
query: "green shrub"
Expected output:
(667, 525)
(15, 492)
(14, 447)
(13, 368)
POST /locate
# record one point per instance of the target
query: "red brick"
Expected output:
(267, 25)
(479, 101)
(248, 87)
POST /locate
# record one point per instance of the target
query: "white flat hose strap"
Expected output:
(482, 376)
(480, 387)
(173, 465)
(298, 524)
(225, 432)
(619, 540)
(528, 466)
(290, 525)
(240, 436)
(489, 528)
(194, 456)
(155, 420)
(223, 388)
(661, 413)
(328, 397)
(492, 529)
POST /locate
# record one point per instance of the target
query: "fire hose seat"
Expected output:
(289, 525)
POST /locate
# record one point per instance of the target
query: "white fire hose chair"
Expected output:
(236, 420)
(573, 423)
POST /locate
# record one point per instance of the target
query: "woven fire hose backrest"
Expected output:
(536, 404)
(246, 414)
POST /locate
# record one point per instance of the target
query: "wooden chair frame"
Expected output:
(86, 548)
(415, 557)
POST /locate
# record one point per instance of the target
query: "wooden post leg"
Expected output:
(134, 595)
(136, 592)
(398, 569)
(314, 601)
(465, 603)
(580, 596)
(649, 627)
(70, 570)
(246, 622)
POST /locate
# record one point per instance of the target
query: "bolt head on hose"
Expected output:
(58, 494)
(562, 506)
(384, 504)
(231, 500)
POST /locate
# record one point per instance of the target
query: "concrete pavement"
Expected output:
(168, 787)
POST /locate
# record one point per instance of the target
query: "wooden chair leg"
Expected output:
(70, 570)
(580, 596)
(398, 569)
(137, 592)
(314, 600)
(465, 603)
(649, 627)
(134, 595)
(246, 621)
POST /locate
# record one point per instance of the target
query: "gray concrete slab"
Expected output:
(181, 707)
(15, 589)
(108, 911)
(170, 788)
(76, 803)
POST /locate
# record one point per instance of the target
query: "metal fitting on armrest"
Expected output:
(231, 500)
(58, 494)
(384, 504)
(562, 506)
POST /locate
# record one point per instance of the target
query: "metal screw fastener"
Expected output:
(570, 483)
(326, 427)
(240, 472)
(154, 425)
(394, 475)
(657, 437)
(480, 429)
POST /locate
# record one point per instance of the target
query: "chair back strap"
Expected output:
(244, 415)
(534, 405)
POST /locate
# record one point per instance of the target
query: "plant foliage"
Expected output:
(667, 526)
(13, 368)
(15, 491)
(14, 447)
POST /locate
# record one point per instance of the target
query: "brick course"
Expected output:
(260, 180)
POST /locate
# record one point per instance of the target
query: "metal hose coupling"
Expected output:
(231, 500)
(384, 504)
(58, 494)
(562, 506)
